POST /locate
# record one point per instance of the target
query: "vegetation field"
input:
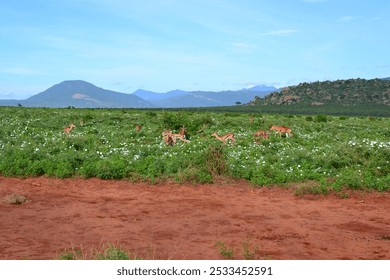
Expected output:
(328, 152)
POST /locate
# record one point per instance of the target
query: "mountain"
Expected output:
(181, 98)
(341, 92)
(210, 98)
(82, 94)
(153, 96)
(261, 88)
(9, 102)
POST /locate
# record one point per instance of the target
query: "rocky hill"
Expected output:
(350, 92)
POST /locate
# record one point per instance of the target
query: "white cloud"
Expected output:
(279, 32)
(18, 70)
(241, 47)
(314, 1)
(347, 18)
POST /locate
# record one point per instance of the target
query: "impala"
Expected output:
(181, 135)
(167, 136)
(282, 129)
(224, 138)
(261, 133)
(138, 128)
(68, 129)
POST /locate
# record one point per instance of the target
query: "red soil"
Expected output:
(174, 221)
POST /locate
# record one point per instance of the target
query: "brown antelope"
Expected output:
(282, 129)
(225, 137)
(138, 128)
(167, 136)
(68, 129)
(261, 133)
(181, 135)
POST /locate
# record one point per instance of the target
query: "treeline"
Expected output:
(301, 109)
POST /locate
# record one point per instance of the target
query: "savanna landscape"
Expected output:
(108, 183)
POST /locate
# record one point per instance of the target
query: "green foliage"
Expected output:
(215, 160)
(339, 152)
(321, 118)
(113, 253)
(342, 92)
(249, 250)
(105, 252)
(171, 120)
(226, 252)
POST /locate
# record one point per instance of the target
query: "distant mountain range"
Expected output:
(81, 94)
(341, 92)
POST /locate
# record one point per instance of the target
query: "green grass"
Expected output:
(336, 151)
(105, 251)
(249, 250)
(225, 252)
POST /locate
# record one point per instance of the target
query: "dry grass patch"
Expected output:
(15, 199)
(105, 251)
(309, 187)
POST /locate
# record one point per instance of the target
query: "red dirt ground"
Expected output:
(175, 221)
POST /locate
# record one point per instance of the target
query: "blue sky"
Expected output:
(162, 45)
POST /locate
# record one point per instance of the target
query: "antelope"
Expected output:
(225, 137)
(181, 135)
(261, 133)
(67, 130)
(138, 128)
(167, 136)
(282, 129)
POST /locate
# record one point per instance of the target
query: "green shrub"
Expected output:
(321, 118)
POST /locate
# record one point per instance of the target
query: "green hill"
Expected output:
(352, 92)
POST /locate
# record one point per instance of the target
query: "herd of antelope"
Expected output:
(258, 134)
(171, 138)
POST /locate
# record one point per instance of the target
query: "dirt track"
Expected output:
(172, 221)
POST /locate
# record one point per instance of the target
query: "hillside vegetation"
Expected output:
(353, 92)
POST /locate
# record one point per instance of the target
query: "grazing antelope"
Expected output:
(167, 136)
(225, 137)
(67, 130)
(138, 128)
(282, 129)
(261, 133)
(181, 135)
